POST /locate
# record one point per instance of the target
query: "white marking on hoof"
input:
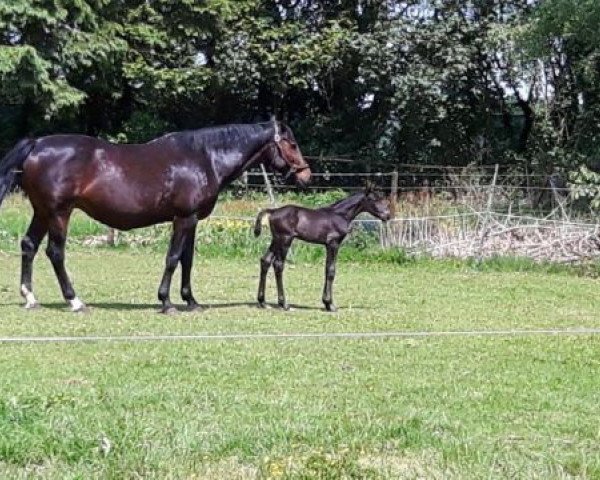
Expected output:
(77, 305)
(30, 301)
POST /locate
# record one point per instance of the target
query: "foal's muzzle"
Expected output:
(386, 217)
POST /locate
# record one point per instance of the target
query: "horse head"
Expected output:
(286, 157)
(376, 203)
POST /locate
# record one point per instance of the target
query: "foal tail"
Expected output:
(258, 223)
(12, 162)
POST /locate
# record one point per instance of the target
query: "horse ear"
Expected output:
(368, 187)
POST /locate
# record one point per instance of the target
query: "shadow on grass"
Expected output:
(155, 307)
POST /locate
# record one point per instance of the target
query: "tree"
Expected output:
(52, 54)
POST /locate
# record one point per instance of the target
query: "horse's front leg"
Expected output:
(182, 227)
(332, 250)
(187, 258)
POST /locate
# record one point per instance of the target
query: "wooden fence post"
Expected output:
(488, 214)
(394, 193)
(388, 230)
(245, 182)
(111, 238)
(268, 185)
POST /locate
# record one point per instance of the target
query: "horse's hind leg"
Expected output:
(265, 263)
(332, 250)
(182, 228)
(187, 258)
(278, 265)
(29, 246)
(57, 237)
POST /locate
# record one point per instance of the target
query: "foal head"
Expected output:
(285, 156)
(376, 204)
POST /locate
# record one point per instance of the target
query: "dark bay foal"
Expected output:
(325, 226)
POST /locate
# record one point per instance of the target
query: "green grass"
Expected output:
(522, 408)
(120, 287)
(502, 407)
(413, 408)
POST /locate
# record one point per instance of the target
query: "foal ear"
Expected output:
(369, 187)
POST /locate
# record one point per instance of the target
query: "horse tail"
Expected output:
(12, 162)
(258, 223)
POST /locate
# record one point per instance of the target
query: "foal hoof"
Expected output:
(284, 306)
(262, 305)
(330, 307)
(31, 306)
(171, 310)
(194, 307)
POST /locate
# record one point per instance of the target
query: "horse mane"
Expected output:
(222, 136)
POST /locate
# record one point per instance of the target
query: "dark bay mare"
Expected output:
(326, 226)
(175, 178)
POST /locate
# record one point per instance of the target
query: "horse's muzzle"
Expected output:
(303, 177)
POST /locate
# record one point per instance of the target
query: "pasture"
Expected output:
(433, 407)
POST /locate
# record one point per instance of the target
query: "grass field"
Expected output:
(502, 407)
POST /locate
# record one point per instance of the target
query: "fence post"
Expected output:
(111, 238)
(394, 193)
(557, 199)
(388, 229)
(488, 213)
(245, 181)
(268, 185)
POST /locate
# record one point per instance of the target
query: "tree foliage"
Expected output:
(419, 81)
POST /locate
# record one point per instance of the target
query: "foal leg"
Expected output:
(278, 265)
(265, 263)
(332, 250)
(29, 246)
(187, 258)
(57, 237)
(181, 229)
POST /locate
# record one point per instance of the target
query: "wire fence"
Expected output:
(471, 211)
(422, 189)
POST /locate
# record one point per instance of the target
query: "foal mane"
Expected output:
(347, 202)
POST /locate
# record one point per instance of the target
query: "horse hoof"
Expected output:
(77, 306)
(195, 307)
(262, 304)
(330, 307)
(284, 306)
(31, 306)
(169, 310)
